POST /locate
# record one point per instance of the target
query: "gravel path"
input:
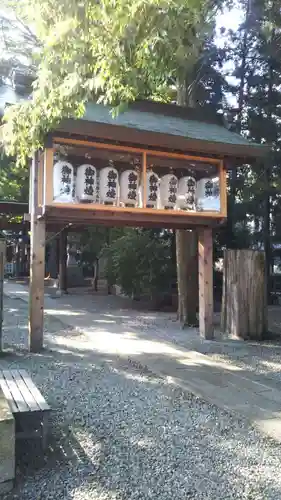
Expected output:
(120, 433)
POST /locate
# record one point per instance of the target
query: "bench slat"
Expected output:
(7, 394)
(25, 392)
(16, 394)
(34, 391)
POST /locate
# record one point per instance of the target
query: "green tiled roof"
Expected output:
(165, 124)
(155, 122)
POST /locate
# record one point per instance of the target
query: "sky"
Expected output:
(229, 19)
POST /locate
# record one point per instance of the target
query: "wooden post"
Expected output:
(2, 269)
(206, 300)
(62, 261)
(37, 267)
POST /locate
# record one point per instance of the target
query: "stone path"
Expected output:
(156, 342)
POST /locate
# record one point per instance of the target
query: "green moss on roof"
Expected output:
(164, 124)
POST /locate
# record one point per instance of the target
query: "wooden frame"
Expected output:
(148, 212)
(108, 140)
(131, 149)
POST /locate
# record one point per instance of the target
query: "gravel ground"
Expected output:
(120, 433)
(262, 359)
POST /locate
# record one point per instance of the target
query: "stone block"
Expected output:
(7, 446)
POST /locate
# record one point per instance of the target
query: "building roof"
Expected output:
(165, 123)
(154, 124)
(11, 207)
(9, 96)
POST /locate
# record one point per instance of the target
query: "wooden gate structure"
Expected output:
(154, 165)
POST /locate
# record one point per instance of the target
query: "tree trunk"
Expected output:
(244, 305)
(187, 272)
(267, 186)
(231, 243)
(186, 248)
(266, 230)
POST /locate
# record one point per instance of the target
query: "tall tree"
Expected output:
(238, 54)
(255, 50)
(113, 51)
(14, 183)
(197, 86)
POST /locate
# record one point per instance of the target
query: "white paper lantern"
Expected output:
(129, 183)
(152, 190)
(186, 199)
(168, 191)
(86, 183)
(109, 186)
(208, 194)
(63, 182)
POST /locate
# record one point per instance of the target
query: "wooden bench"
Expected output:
(30, 410)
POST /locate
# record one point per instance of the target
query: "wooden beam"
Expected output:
(62, 260)
(78, 153)
(13, 208)
(37, 267)
(59, 217)
(206, 301)
(114, 147)
(97, 207)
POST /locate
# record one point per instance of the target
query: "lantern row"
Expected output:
(108, 187)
